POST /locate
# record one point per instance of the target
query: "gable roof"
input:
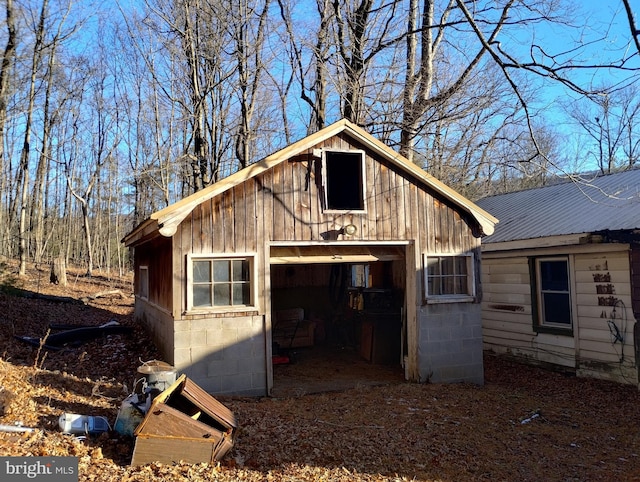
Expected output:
(581, 205)
(166, 221)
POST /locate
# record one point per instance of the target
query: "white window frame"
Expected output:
(325, 180)
(450, 298)
(541, 323)
(143, 282)
(250, 257)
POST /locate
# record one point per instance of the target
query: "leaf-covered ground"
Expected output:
(524, 424)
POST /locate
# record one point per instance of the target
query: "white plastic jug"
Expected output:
(83, 424)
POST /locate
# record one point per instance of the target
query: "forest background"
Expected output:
(111, 110)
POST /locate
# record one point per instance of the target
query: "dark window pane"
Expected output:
(344, 180)
(447, 265)
(202, 295)
(202, 271)
(461, 265)
(221, 271)
(434, 286)
(554, 276)
(241, 294)
(433, 266)
(240, 270)
(448, 285)
(557, 308)
(461, 285)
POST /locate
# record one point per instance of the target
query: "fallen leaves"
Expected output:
(576, 429)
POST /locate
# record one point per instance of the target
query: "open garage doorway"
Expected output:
(337, 319)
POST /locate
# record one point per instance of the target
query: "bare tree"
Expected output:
(611, 123)
(6, 67)
(312, 76)
(362, 32)
(249, 42)
(23, 172)
(49, 115)
(633, 28)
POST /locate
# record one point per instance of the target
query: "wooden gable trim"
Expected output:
(169, 218)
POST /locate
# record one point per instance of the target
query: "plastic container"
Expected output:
(129, 416)
(83, 424)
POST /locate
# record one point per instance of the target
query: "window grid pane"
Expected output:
(221, 282)
(555, 297)
(202, 271)
(221, 271)
(447, 275)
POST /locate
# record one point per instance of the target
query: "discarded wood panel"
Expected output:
(184, 423)
(168, 450)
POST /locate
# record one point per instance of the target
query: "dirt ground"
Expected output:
(524, 424)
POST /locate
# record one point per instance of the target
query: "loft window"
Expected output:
(343, 178)
(552, 295)
(449, 277)
(220, 282)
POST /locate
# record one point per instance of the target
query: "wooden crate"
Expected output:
(184, 423)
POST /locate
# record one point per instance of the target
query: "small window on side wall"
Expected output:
(143, 286)
(220, 282)
(551, 293)
(343, 180)
(449, 277)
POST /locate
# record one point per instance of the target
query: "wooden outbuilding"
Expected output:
(336, 235)
(561, 275)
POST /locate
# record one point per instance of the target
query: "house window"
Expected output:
(220, 282)
(143, 287)
(449, 277)
(552, 295)
(343, 180)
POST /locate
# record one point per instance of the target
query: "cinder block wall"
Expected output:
(450, 343)
(159, 325)
(224, 355)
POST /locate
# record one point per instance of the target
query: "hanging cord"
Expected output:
(618, 330)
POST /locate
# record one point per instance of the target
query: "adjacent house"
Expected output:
(561, 275)
(334, 230)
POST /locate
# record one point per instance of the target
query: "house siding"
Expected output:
(601, 292)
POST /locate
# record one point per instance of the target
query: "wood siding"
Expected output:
(285, 204)
(156, 256)
(601, 296)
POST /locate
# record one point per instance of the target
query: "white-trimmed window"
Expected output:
(143, 286)
(449, 277)
(553, 295)
(343, 180)
(220, 281)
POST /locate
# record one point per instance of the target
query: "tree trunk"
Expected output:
(58, 271)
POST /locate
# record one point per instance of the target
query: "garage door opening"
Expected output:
(337, 325)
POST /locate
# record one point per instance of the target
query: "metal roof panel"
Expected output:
(580, 205)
